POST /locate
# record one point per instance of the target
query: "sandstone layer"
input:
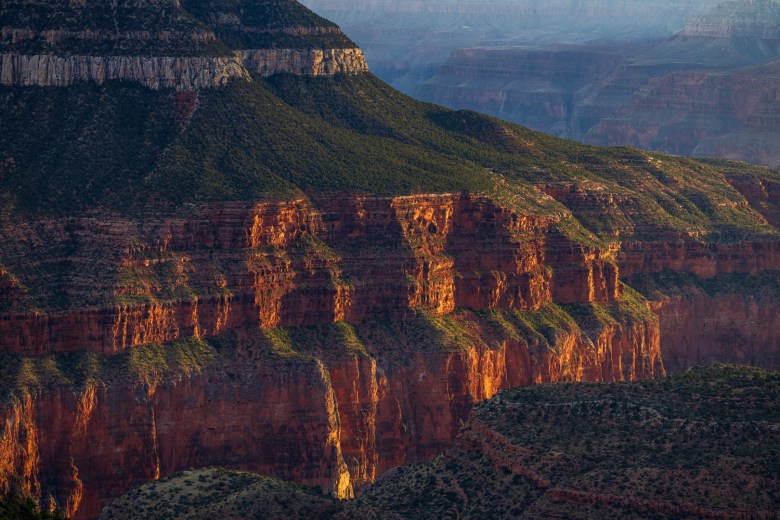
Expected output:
(186, 73)
(305, 62)
(161, 45)
(381, 309)
(296, 263)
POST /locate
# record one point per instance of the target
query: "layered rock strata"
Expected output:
(294, 263)
(736, 327)
(397, 325)
(304, 62)
(180, 73)
(712, 296)
(164, 44)
(337, 423)
(709, 91)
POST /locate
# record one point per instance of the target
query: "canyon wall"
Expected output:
(180, 73)
(708, 91)
(361, 331)
(716, 298)
(730, 327)
(165, 44)
(733, 115)
(607, 97)
(338, 422)
(293, 263)
(394, 315)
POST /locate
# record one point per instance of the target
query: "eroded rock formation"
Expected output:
(185, 73)
(708, 91)
(160, 45)
(389, 273)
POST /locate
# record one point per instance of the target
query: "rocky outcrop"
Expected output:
(180, 73)
(538, 87)
(700, 258)
(732, 115)
(166, 44)
(304, 62)
(717, 303)
(737, 19)
(338, 421)
(87, 445)
(711, 295)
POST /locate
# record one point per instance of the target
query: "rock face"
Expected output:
(715, 114)
(538, 87)
(305, 62)
(186, 73)
(294, 263)
(700, 328)
(399, 397)
(501, 464)
(180, 73)
(161, 45)
(335, 424)
(423, 293)
(737, 19)
(83, 447)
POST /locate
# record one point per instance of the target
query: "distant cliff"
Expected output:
(709, 91)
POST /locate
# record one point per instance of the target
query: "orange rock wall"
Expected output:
(339, 421)
(233, 266)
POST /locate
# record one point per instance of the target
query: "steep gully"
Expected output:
(333, 418)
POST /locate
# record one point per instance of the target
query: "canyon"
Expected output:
(301, 342)
(706, 89)
(242, 249)
(398, 395)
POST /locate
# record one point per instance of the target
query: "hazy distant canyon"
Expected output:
(698, 78)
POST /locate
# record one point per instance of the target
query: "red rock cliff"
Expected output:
(403, 312)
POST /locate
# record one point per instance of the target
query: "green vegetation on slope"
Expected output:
(145, 365)
(14, 507)
(280, 24)
(219, 493)
(125, 27)
(700, 443)
(706, 440)
(119, 146)
(130, 27)
(657, 286)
